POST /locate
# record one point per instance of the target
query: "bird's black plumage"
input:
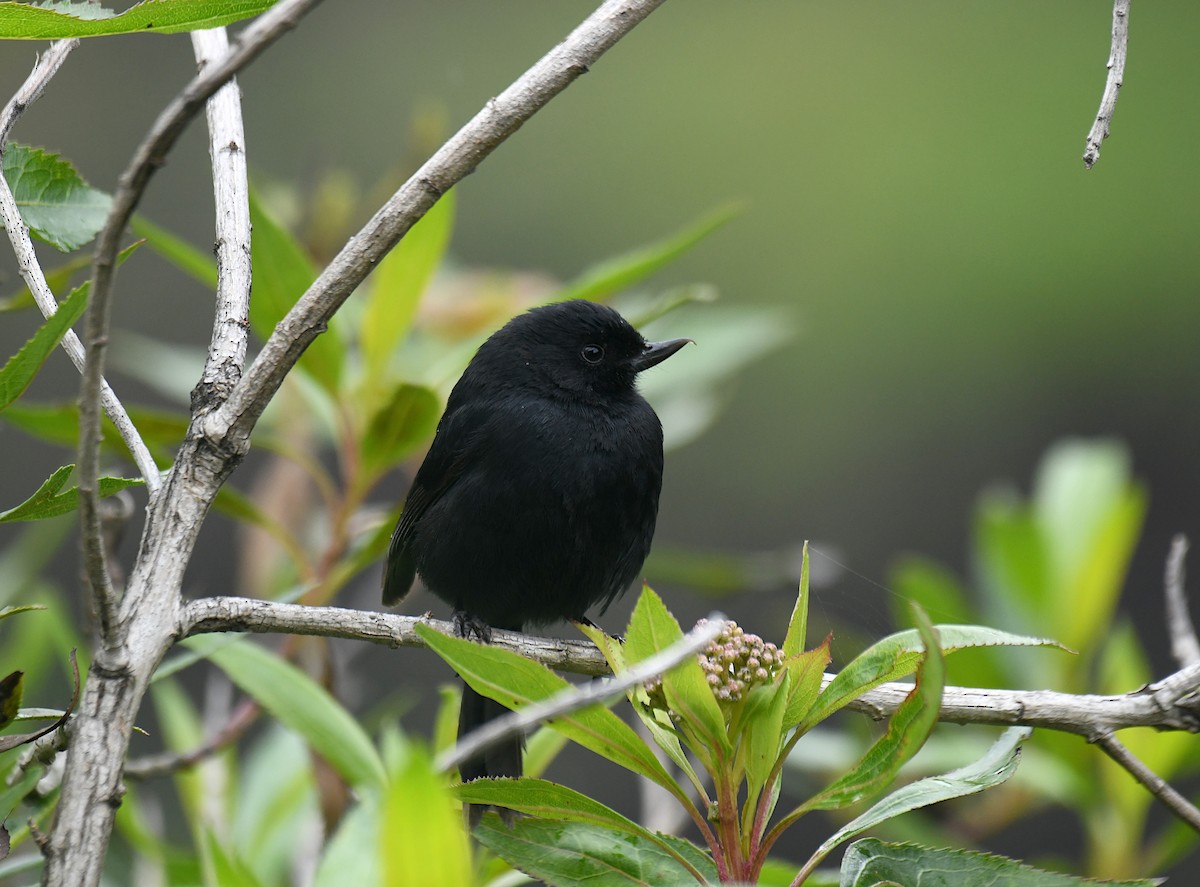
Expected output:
(538, 497)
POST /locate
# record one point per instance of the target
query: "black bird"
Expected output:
(538, 497)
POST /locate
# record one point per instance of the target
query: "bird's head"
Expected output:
(581, 348)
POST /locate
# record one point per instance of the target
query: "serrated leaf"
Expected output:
(898, 654)
(422, 839)
(515, 681)
(56, 203)
(407, 418)
(10, 698)
(20, 369)
(282, 273)
(992, 769)
(807, 670)
(615, 274)
(907, 731)
(300, 703)
(651, 630)
(398, 282)
(575, 854)
(48, 502)
(870, 862)
(24, 21)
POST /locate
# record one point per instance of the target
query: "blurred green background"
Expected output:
(963, 292)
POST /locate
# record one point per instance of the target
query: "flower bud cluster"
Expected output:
(735, 662)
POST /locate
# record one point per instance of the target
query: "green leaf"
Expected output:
(58, 280)
(576, 854)
(49, 502)
(399, 281)
(300, 703)
(763, 730)
(422, 839)
(620, 272)
(5, 612)
(25, 21)
(897, 655)
(871, 862)
(194, 262)
(20, 369)
(515, 681)
(793, 641)
(282, 273)
(907, 731)
(227, 869)
(10, 699)
(348, 857)
(652, 629)
(992, 769)
(807, 670)
(407, 419)
(58, 206)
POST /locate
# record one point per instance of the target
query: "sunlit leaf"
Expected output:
(398, 282)
(515, 681)
(69, 18)
(300, 703)
(282, 273)
(422, 838)
(794, 640)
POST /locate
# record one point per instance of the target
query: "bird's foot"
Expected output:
(468, 625)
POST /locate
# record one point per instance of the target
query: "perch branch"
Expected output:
(1168, 704)
(1185, 647)
(1155, 784)
(149, 156)
(31, 270)
(231, 193)
(1112, 85)
(579, 696)
(500, 118)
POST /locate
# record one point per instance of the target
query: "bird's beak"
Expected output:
(657, 352)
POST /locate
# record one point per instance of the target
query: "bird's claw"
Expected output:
(468, 625)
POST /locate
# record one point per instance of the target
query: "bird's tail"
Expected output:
(501, 759)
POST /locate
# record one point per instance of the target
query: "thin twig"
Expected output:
(1185, 646)
(31, 90)
(170, 762)
(31, 270)
(1112, 85)
(1155, 784)
(1168, 704)
(500, 118)
(150, 155)
(580, 696)
(231, 191)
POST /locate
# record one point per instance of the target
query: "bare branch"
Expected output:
(1155, 784)
(1185, 646)
(171, 762)
(31, 270)
(1168, 704)
(35, 84)
(227, 148)
(499, 119)
(579, 696)
(150, 155)
(1112, 85)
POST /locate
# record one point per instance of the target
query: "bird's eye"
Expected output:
(592, 353)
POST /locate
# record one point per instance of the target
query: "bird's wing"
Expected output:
(443, 465)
